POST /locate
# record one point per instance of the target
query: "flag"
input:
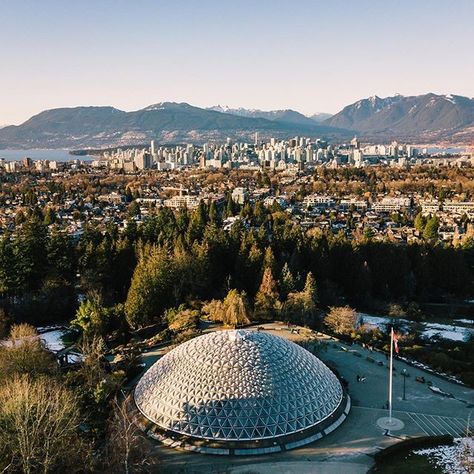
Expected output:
(395, 342)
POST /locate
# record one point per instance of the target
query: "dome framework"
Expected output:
(241, 389)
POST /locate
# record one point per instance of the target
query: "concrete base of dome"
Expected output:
(264, 446)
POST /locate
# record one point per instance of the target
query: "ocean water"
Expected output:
(451, 151)
(41, 154)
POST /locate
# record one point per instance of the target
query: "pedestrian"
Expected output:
(358, 378)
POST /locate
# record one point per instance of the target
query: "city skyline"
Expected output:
(237, 228)
(307, 56)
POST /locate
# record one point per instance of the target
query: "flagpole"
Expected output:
(390, 378)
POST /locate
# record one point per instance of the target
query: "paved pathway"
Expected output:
(302, 467)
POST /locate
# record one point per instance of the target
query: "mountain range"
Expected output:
(424, 118)
(287, 115)
(166, 122)
(428, 117)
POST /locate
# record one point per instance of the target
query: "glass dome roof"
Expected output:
(238, 386)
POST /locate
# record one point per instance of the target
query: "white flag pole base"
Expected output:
(391, 424)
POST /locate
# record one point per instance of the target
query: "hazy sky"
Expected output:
(309, 55)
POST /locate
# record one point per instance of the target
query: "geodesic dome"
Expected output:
(238, 385)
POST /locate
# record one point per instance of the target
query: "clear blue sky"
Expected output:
(309, 55)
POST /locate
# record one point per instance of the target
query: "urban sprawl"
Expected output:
(315, 183)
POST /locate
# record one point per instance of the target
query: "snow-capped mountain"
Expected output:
(428, 115)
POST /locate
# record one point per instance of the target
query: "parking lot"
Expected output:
(351, 361)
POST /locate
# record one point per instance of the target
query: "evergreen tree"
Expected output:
(30, 255)
(197, 223)
(430, 232)
(213, 213)
(253, 266)
(61, 257)
(260, 213)
(301, 307)
(91, 318)
(266, 299)
(247, 210)
(150, 290)
(134, 209)
(269, 260)
(7, 266)
(20, 217)
(230, 207)
(49, 216)
(287, 281)
(310, 290)
(420, 222)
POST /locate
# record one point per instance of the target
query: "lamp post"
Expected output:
(404, 373)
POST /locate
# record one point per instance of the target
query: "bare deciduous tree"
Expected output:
(125, 448)
(93, 349)
(39, 421)
(341, 319)
(23, 353)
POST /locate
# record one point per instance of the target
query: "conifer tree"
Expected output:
(430, 232)
(269, 260)
(213, 213)
(420, 222)
(310, 289)
(287, 281)
(150, 289)
(266, 299)
(49, 216)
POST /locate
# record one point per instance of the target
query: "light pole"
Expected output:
(404, 373)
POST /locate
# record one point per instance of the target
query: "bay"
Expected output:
(42, 154)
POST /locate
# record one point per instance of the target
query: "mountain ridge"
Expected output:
(426, 116)
(86, 126)
(279, 115)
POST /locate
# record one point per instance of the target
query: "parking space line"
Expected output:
(433, 424)
(422, 424)
(460, 425)
(452, 428)
(456, 424)
(466, 426)
(452, 423)
(434, 427)
(424, 430)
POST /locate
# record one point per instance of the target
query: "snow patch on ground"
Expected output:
(52, 337)
(454, 459)
(464, 321)
(445, 331)
(52, 340)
